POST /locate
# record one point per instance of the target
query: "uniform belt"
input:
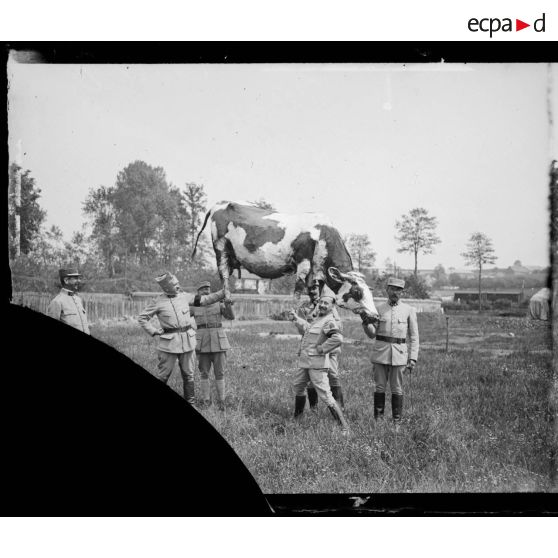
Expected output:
(177, 329)
(207, 326)
(391, 339)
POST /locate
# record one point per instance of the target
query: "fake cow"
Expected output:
(271, 244)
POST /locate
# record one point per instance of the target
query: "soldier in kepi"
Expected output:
(308, 311)
(177, 336)
(67, 306)
(321, 336)
(212, 343)
(390, 353)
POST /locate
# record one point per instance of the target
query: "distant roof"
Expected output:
(489, 291)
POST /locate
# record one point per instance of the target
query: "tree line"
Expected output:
(143, 224)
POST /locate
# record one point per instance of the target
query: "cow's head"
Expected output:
(353, 294)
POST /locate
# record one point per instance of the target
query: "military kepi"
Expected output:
(68, 272)
(167, 282)
(327, 293)
(395, 282)
(204, 284)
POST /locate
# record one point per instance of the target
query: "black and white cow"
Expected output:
(271, 244)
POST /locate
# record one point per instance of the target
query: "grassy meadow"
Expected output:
(476, 418)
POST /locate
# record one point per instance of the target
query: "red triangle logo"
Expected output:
(519, 25)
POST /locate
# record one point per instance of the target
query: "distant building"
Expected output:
(514, 295)
(249, 283)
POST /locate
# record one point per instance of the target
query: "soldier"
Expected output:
(67, 306)
(390, 355)
(308, 311)
(212, 343)
(177, 336)
(321, 336)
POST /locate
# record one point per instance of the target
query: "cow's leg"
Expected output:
(222, 262)
(318, 261)
(302, 271)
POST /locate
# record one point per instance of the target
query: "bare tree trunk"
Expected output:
(416, 263)
(17, 203)
(480, 274)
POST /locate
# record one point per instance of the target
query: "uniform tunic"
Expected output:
(390, 359)
(69, 309)
(320, 338)
(211, 338)
(172, 313)
(309, 312)
(212, 342)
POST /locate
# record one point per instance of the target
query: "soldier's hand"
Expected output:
(411, 364)
(227, 295)
(291, 315)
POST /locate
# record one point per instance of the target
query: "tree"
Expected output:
(99, 207)
(31, 215)
(479, 251)
(263, 204)
(141, 203)
(440, 276)
(361, 251)
(416, 233)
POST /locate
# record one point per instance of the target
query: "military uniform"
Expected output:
(320, 338)
(177, 336)
(390, 352)
(212, 345)
(309, 312)
(68, 308)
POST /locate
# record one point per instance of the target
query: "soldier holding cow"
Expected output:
(320, 338)
(212, 343)
(177, 335)
(309, 311)
(390, 353)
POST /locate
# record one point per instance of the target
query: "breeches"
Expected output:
(217, 359)
(186, 364)
(333, 371)
(385, 372)
(319, 380)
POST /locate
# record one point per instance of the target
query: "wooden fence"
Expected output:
(102, 307)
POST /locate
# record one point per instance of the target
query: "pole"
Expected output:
(17, 202)
(447, 333)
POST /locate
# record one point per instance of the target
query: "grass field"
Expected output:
(476, 419)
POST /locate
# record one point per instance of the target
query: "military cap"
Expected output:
(327, 293)
(204, 284)
(68, 272)
(395, 282)
(167, 282)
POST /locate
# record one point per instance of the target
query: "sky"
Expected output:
(361, 143)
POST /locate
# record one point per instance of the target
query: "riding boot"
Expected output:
(220, 385)
(379, 404)
(300, 402)
(205, 392)
(312, 398)
(338, 415)
(396, 407)
(337, 393)
(189, 392)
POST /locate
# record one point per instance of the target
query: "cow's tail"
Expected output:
(198, 237)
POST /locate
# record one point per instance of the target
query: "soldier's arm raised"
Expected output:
(300, 324)
(211, 298)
